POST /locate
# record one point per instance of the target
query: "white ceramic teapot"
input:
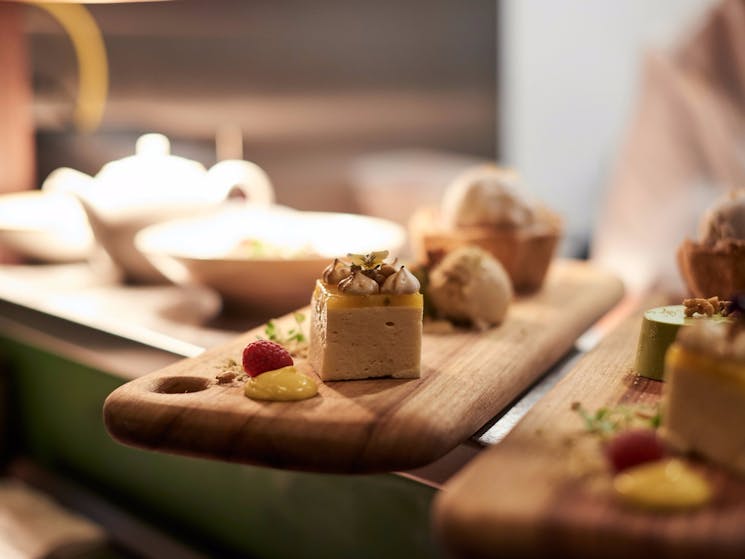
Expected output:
(153, 186)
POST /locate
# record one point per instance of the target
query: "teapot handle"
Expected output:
(243, 178)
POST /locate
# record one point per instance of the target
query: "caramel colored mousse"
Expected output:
(366, 323)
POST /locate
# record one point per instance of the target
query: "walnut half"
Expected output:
(708, 307)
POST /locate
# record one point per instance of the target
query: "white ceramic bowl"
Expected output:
(203, 251)
(49, 227)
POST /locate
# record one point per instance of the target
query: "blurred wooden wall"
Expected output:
(16, 125)
(310, 85)
(17, 169)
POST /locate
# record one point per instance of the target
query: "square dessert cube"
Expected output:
(365, 336)
(704, 406)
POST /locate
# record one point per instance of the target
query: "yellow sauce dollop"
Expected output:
(285, 384)
(665, 485)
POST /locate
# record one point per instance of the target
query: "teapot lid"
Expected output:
(149, 178)
(152, 167)
(152, 144)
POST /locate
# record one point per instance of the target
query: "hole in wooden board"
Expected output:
(181, 385)
(390, 324)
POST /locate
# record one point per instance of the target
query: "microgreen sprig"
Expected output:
(368, 261)
(294, 339)
(607, 421)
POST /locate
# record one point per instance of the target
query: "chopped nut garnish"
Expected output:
(226, 377)
(708, 307)
(229, 371)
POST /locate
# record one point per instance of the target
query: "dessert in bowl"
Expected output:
(715, 263)
(484, 207)
(47, 225)
(260, 259)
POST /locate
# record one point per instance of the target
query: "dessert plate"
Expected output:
(297, 246)
(365, 425)
(542, 492)
(45, 226)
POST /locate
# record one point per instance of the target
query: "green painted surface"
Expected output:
(257, 511)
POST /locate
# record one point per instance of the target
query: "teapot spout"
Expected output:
(236, 178)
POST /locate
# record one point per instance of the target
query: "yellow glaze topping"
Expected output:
(336, 300)
(665, 485)
(727, 369)
(283, 384)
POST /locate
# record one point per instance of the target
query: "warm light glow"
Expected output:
(92, 1)
(93, 73)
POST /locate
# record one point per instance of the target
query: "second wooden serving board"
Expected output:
(368, 425)
(545, 490)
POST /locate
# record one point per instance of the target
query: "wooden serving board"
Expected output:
(545, 490)
(367, 425)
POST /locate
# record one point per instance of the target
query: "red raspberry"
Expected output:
(634, 447)
(262, 356)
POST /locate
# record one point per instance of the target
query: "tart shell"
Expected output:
(525, 252)
(710, 270)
